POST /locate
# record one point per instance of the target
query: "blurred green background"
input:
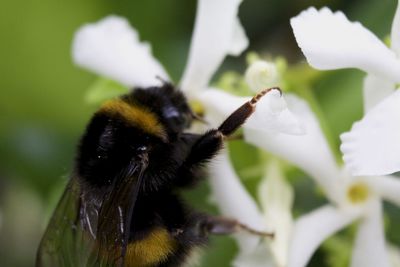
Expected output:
(43, 112)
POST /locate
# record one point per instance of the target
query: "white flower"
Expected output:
(112, 48)
(330, 41)
(276, 198)
(352, 198)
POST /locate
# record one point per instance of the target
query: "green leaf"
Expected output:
(103, 89)
(338, 251)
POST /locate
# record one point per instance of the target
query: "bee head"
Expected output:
(168, 103)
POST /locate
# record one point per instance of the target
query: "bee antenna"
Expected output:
(163, 80)
(197, 117)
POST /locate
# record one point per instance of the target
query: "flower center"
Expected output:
(358, 192)
(197, 107)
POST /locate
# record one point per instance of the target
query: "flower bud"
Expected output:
(262, 74)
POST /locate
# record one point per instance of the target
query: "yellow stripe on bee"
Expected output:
(136, 115)
(153, 249)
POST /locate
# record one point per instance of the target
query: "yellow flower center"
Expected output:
(358, 192)
(197, 107)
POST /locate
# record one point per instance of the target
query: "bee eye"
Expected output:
(170, 113)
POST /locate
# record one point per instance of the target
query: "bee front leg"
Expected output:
(202, 150)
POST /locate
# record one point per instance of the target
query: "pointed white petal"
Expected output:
(395, 36)
(271, 115)
(276, 198)
(387, 186)
(375, 89)
(239, 41)
(309, 151)
(312, 229)
(217, 33)
(372, 146)
(234, 201)
(111, 48)
(330, 41)
(369, 249)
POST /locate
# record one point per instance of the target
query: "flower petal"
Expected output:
(309, 151)
(271, 114)
(370, 247)
(234, 201)
(376, 89)
(217, 33)
(372, 146)
(276, 198)
(395, 36)
(387, 187)
(330, 41)
(312, 229)
(239, 41)
(111, 48)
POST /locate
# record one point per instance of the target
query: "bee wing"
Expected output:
(65, 243)
(114, 224)
(83, 232)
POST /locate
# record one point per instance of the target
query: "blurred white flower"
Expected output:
(276, 198)
(352, 198)
(111, 48)
(330, 41)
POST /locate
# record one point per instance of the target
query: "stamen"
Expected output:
(358, 192)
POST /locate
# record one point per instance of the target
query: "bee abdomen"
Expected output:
(155, 248)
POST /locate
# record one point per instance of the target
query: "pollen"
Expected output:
(197, 108)
(358, 192)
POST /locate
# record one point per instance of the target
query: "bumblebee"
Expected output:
(121, 206)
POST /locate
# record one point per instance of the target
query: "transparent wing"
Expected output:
(114, 224)
(91, 227)
(65, 242)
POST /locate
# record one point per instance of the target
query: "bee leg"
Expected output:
(240, 115)
(206, 147)
(202, 151)
(225, 226)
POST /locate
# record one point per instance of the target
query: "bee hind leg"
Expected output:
(225, 226)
